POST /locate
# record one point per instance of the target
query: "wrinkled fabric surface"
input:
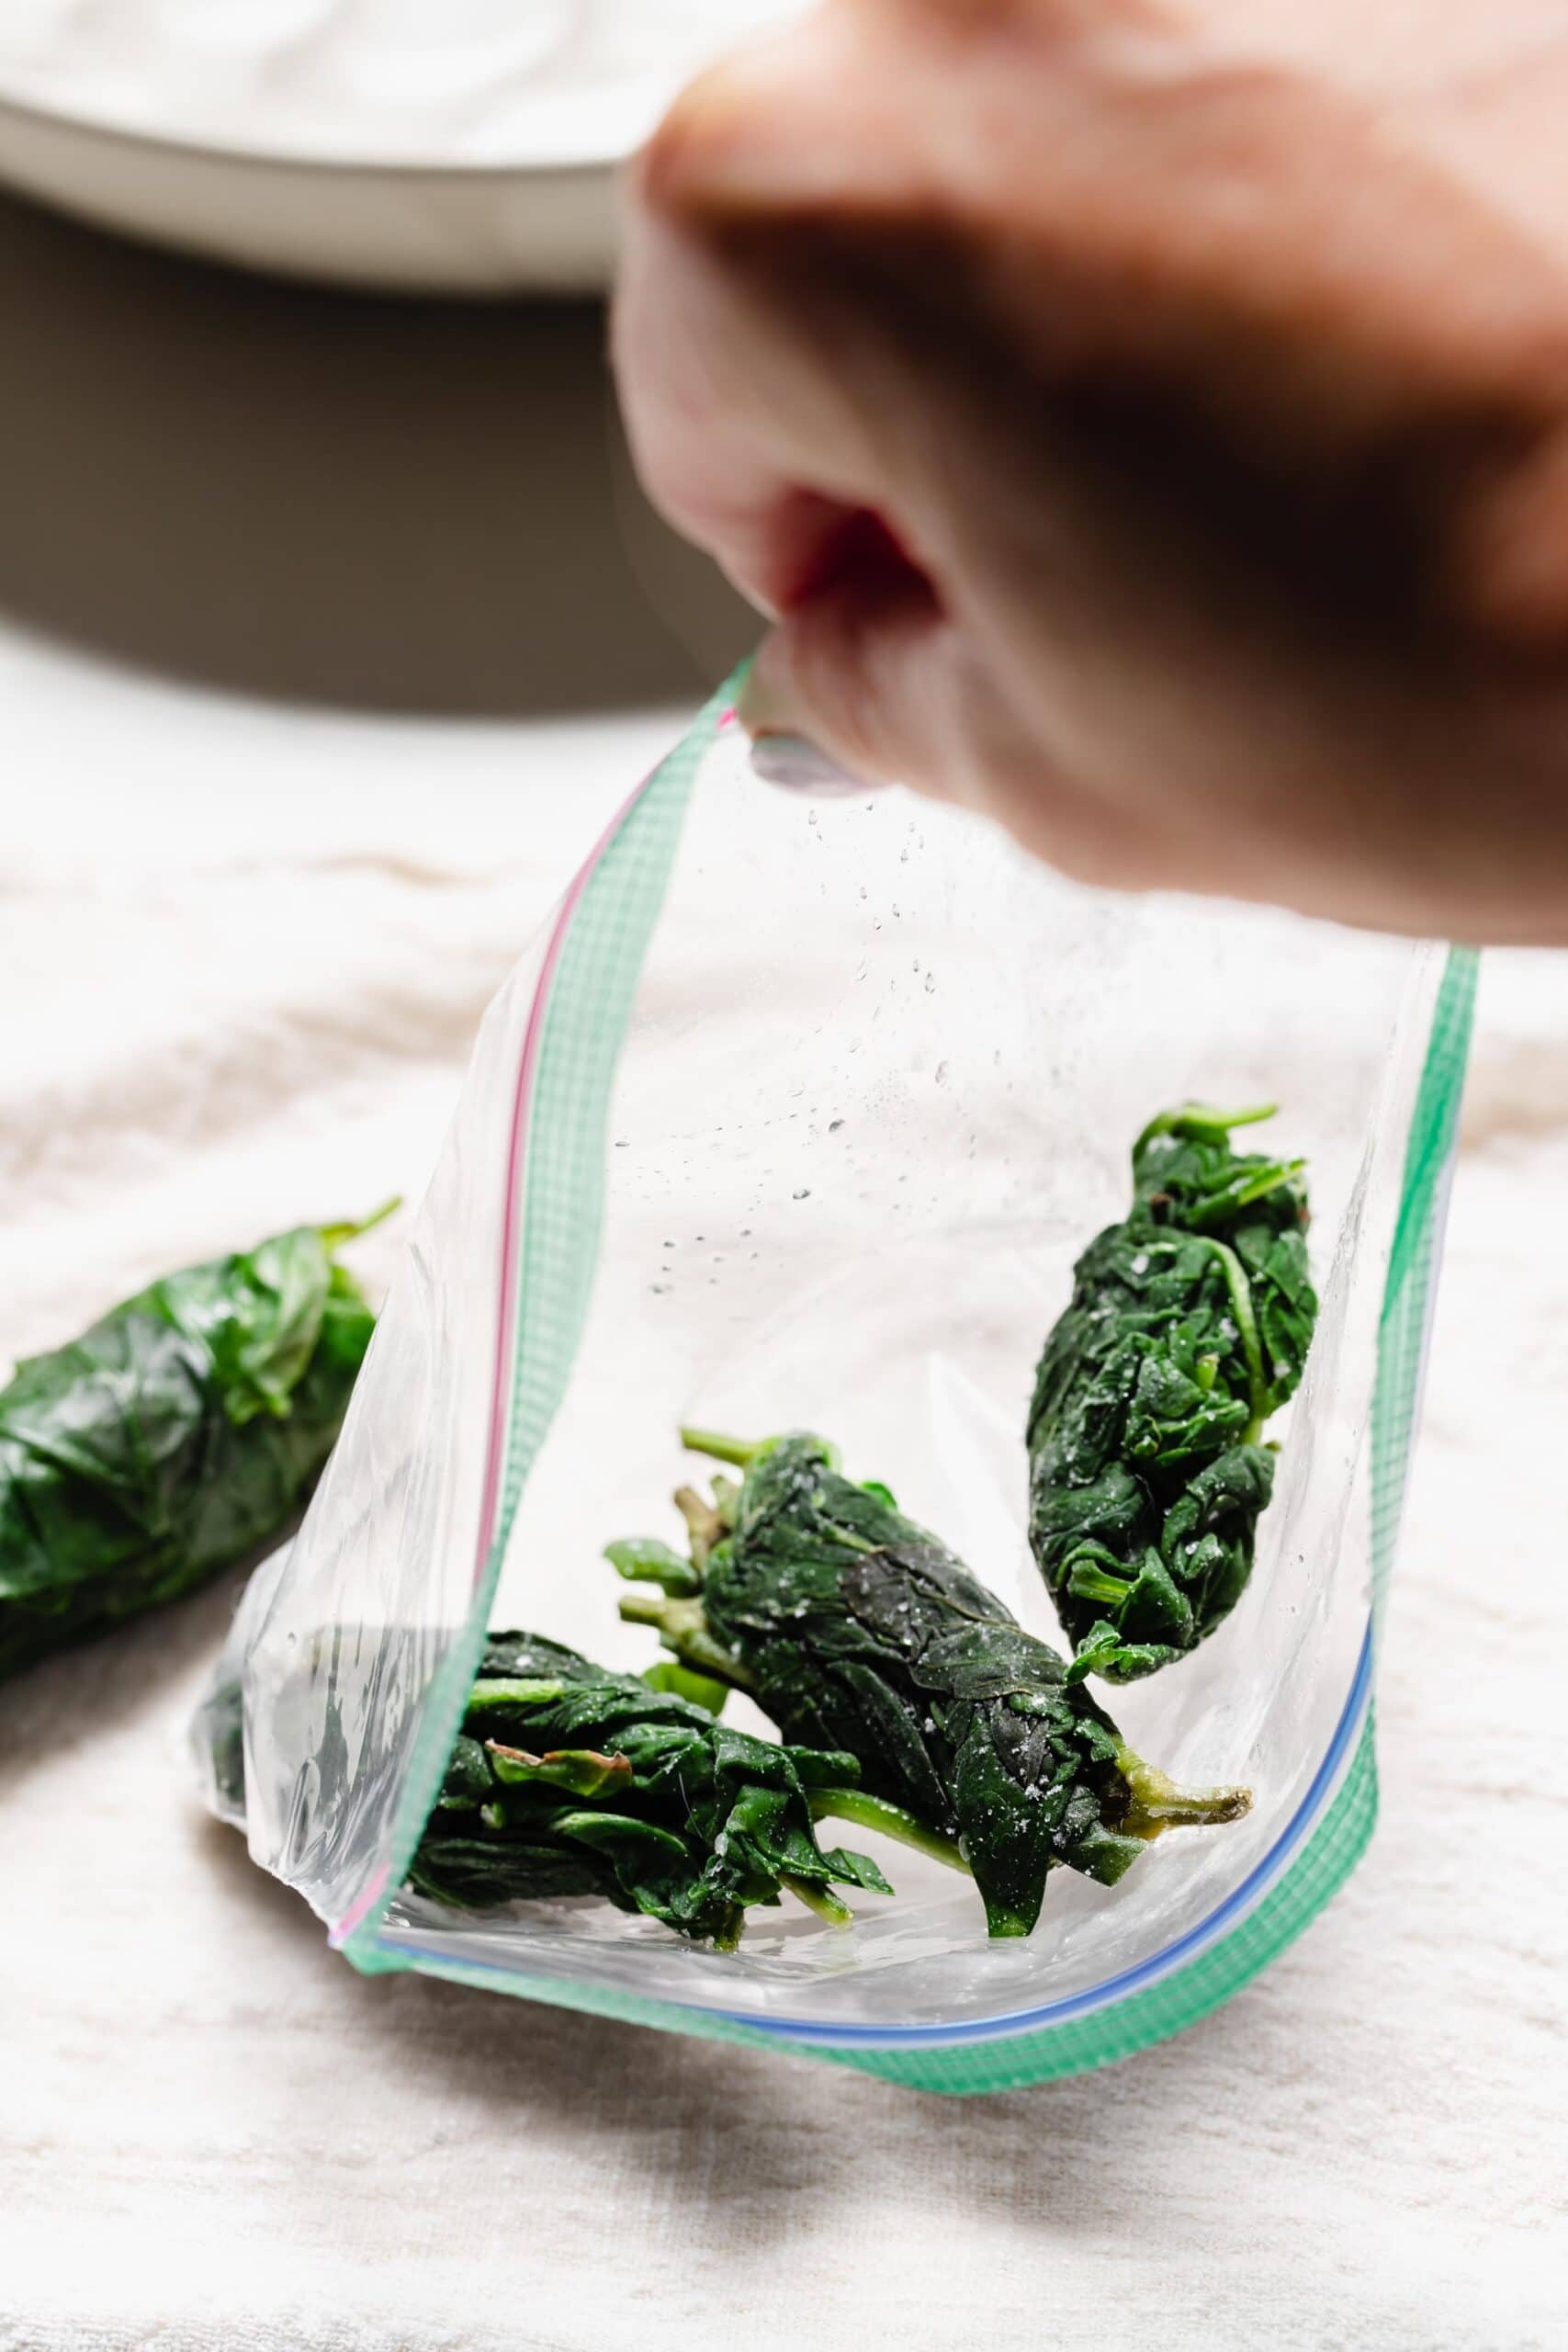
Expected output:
(230, 1008)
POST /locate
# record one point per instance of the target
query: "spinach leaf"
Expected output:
(1188, 1326)
(568, 1778)
(183, 1430)
(855, 1629)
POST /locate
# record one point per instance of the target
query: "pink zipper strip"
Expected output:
(507, 1318)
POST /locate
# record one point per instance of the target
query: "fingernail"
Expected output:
(796, 765)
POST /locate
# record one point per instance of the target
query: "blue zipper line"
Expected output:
(1159, 1965)
(1075, 2004)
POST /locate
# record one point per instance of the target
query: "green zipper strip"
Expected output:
(589, 1006)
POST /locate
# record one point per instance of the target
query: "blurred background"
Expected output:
(274, 489)
(332, 620)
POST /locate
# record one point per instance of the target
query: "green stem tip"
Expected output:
(818, 1899)
(1203, 1120)
(336, 1237)
(1089, 1583)
(719, 1448)
(683, 1629)
(1159, 1803)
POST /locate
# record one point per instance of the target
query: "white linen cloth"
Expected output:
(227, 1010)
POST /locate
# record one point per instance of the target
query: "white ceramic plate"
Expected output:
(460, 146)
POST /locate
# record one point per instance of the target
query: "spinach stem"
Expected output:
(1090, 1583)
(1159, 1804)
(683, 1628)
(336, 1236)
(893, 1820)
(717, 1447)
(1202, 1119)
(1238, 1197)
(1246, 1326)
(816, 1898)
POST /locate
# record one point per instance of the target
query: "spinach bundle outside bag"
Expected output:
(569, 1779)
(180, 1432)
(853, 1628)
(1188, 1326)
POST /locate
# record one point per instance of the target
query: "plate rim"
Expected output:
(190, 148)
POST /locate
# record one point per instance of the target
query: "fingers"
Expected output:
(1176, 458)
(869, 681)
(747, 417)
(867, 673)
(700, 370)
(744, 395)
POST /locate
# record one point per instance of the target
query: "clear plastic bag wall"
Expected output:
(798, 1116)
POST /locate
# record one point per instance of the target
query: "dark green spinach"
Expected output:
(182, 1431)
(1188, 1326)
(568, 1778)
(855, 1629)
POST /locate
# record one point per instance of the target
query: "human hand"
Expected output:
(1140, 432)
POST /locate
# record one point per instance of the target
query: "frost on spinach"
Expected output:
(855, 1629)
(568, 1778)
(182, 1431)
(1188, 1326)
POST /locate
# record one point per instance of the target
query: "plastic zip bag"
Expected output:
(798, 1116)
